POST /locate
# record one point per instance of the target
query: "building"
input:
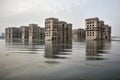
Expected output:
(24, 32)
(41, 33)
(78, 34)
(51, 28)
(96, 29)
(12, 32)
(69, 31)
(107, 32)
(57, 30)
(2, 35)
(31, 32)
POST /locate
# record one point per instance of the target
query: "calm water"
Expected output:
(85, 60)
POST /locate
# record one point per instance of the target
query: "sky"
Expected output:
(15, 13)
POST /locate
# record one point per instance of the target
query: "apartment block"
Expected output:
(24, 32)
(107, 32)
(78, 34)
(41, 33)
(69, 31)
(12, 33)
(31, 32)
(51, 29)
(96, 29)
(57, 30)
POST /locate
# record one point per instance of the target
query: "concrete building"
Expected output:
(12, 33)
(107, 32)
(57, 30)
(41, 33)
(31, 32)
(51, 29)
(78, 34)
(69, 31)
(24, 32)
(96, 29)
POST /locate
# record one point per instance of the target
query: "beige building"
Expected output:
(78, 34)
(12, 33)
(96, 29)
(57, 30)
(51, 29)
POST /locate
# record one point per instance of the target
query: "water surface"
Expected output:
(38, 60)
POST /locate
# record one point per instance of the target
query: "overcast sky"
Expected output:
(14, 13)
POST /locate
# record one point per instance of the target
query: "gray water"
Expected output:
(38, 60)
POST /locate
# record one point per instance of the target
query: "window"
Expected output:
(87, 33)
(93, 33)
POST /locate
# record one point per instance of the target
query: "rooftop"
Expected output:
(51, 18)
(95, 18)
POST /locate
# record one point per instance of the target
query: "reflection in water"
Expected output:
(94, 49)
(25, 46)
(54, 49)
(38, 61)
(25, 42)
(79, 40)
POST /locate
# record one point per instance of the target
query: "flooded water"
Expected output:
(85, 60)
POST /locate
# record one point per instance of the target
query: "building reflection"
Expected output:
(95, 49)
(54, 49)
(24, 44)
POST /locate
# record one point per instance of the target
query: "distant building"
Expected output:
(41, 33)
(57, 30)
(78, 34)
(2, 35)
(30, 32)
(12, 32)
(24, 32)
(107, 32)
(33, 31)
(96, 29)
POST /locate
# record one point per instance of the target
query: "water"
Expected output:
(85, 60)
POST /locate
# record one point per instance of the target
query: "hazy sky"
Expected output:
(24, 12)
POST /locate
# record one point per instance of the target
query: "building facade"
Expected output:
(12, 33)
(33, 31)
(51, 29)
(96, 29)
(24, 32)
(78, 34)
(57, 30)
